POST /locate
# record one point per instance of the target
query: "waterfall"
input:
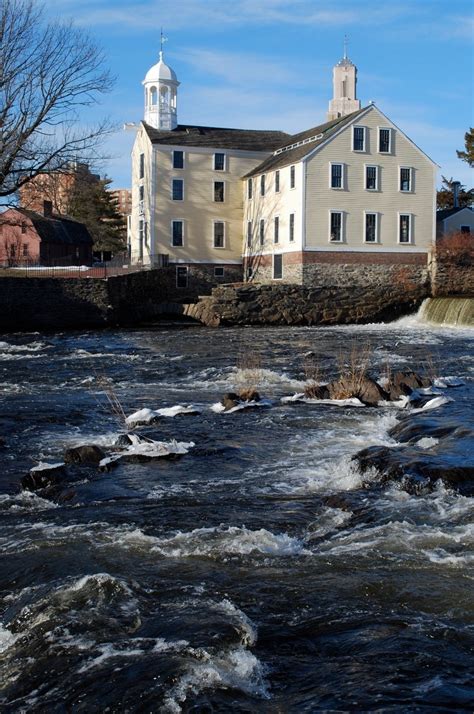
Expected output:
(448, 311)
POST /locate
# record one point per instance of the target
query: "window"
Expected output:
(219, 162)
(23, 227)
(335, 227)
(358, 138)
(145, 232)
(277, 267)
(277, 182)
(385, 141)
(249, 273)
(404, 229)
(291, 232)
(219, 191)
(292, 176)
(178, 190)
(141, 193)
(405, 179)
(249, 189)
(262, 231)
(276, 229)
(25, 250)
(177, 234)
(337, 176)
(142, 166)
(465, 229)
(219, 234)
(249, 234)
(371, 227)
(219, 272)
(181, 277)
(178, 159)
(262, 185)
(140, 230)
(372, 178)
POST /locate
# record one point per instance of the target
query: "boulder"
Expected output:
(87, 454)
(230, 400)
(395, 391)
(43, 476)
(123, 441)
(249, 395)
(361, 387)
(411, 379)
(316, 391)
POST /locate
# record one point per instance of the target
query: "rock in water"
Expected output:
(361, 387)
(230, 400)
(88, 454)
(249, 395)
(43, 476)
(410, 379)
(316, 391)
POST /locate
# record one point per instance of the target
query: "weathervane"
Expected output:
(346, 42)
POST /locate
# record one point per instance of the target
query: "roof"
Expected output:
(447, 212)
(218, 137)
(58, 229)
(160, 71)
(284, 156)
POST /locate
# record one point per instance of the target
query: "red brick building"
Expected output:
(28, 237)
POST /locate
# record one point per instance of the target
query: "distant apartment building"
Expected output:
(123, 198)
(55, 187)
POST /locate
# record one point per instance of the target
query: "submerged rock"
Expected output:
(249, 395)
(230, 400)
(316, 391)
(87, 454)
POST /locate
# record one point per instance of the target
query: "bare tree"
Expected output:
(49, 71)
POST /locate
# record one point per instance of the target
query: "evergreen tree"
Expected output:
(91, 203)
(468, 154)
(445, 196)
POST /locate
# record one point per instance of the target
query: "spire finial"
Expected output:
(346, 42)
(163, 39)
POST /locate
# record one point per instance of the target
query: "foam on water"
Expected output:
(24, 501)
(7, 639)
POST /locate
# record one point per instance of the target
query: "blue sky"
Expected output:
(267, 64)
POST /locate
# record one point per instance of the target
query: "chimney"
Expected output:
(456, 185)
(47, 209)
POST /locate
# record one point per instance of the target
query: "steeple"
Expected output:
(344, 83)
(161, 85)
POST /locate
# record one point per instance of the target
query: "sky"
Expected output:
(267, 64)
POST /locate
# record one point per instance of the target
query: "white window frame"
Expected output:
(172, 222)
(371, 213)
(177, 168)
(218, 247)
(182, 182)
(400, 189)
(214, 160)
(341, 213)
(276, 221)
(410, 227)
(364, 130)
(291, 228)
(186, 268)
(390, 134)
(219, 274)
(277, 181)
(292, 177)
(343, 175)
(280, 255)
(214, 191)
(377, 177)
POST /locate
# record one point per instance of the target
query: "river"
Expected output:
(260, 572)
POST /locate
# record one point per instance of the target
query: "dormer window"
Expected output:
(358, 138)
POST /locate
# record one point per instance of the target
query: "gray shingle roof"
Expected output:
(58, 229)
(290, 156)
(447, 212)
(218, 138)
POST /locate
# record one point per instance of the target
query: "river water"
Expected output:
(260, 572)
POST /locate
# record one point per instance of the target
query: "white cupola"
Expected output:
(344, 82)
(161, 90)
